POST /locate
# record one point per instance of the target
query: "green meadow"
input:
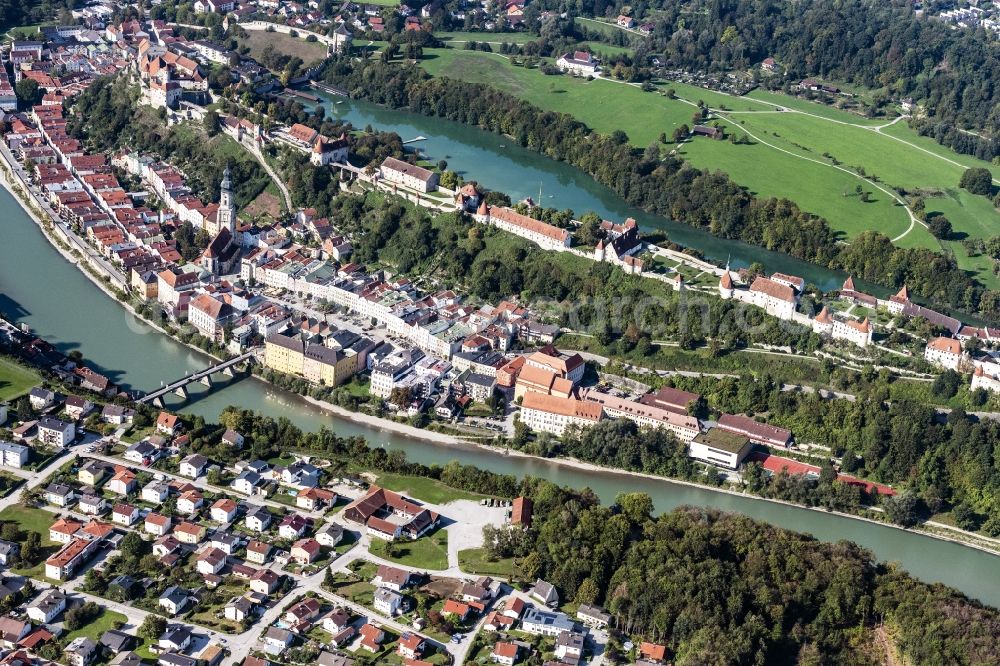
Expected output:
(812, 154)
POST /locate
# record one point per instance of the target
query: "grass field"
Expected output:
(15, 380)
(31, 520)
(813, 155)
(424, 489)
(474, 561)
(106, 621)
(427, 552)
(644, 116)
(491, 37)
(297, 47)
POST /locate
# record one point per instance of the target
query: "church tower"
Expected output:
(226, 216)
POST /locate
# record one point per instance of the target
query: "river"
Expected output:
(38, 287)
(498, 164)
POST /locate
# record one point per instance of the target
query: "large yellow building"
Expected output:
(315, 363)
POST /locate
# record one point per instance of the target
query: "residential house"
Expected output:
(8, 552)
(386, 601)
(505, 653)
(47, 606)
(41, 398)
(258, 519)
(157, 524)
(190, 501)
(193, 465)
(122, 483)
(411, 646)
(545, 593)
(392, 578)
(224, 510)
(167, 423)
(176, 638)
(76, 407)
(312, 499)
(190, 533)
(174, 599)
(238, 609)
(258, 552)
(276, 640)
(81, 651)
(330, 535)
(265, 581)
(116, 642)
(60, 494)
(92, 472)
(124, 514)
(56, 432)
(305, 551)
(593, 616)
(569, 646)
(155, 492)
(92, 505)
(211, 561)
(371, 637)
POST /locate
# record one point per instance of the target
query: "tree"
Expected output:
(903, 509)
(965, 517)
(939, 226)
(28, 92)
(82, 615)
(211, 122)
(977, 180)
(152, 627)
(637, 507)
(31, 549)
(328, 579)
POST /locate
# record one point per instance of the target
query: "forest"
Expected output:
(667, 185)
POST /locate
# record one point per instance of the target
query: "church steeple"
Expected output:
(227, 209)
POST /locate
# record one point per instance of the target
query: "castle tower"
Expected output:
(226, 215)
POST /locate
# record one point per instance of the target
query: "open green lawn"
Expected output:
(427, 552)
(15, 380)
(794, 156)
(475, 561)
(297, 47)
(31, 520)
(107, 620)
(491, 37)
(422, 488)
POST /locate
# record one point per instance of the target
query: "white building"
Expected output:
(684, 427)
(945, 352)
(408, 175)
(14, 455)
(550, 413)
(545, 235)
(775, 297)
(578, 62)
(55, 432)
(720, 447)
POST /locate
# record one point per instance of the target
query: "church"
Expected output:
(222, 254)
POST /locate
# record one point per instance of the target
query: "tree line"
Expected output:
(666, 186)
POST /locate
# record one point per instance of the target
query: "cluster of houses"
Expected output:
(24, 635)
